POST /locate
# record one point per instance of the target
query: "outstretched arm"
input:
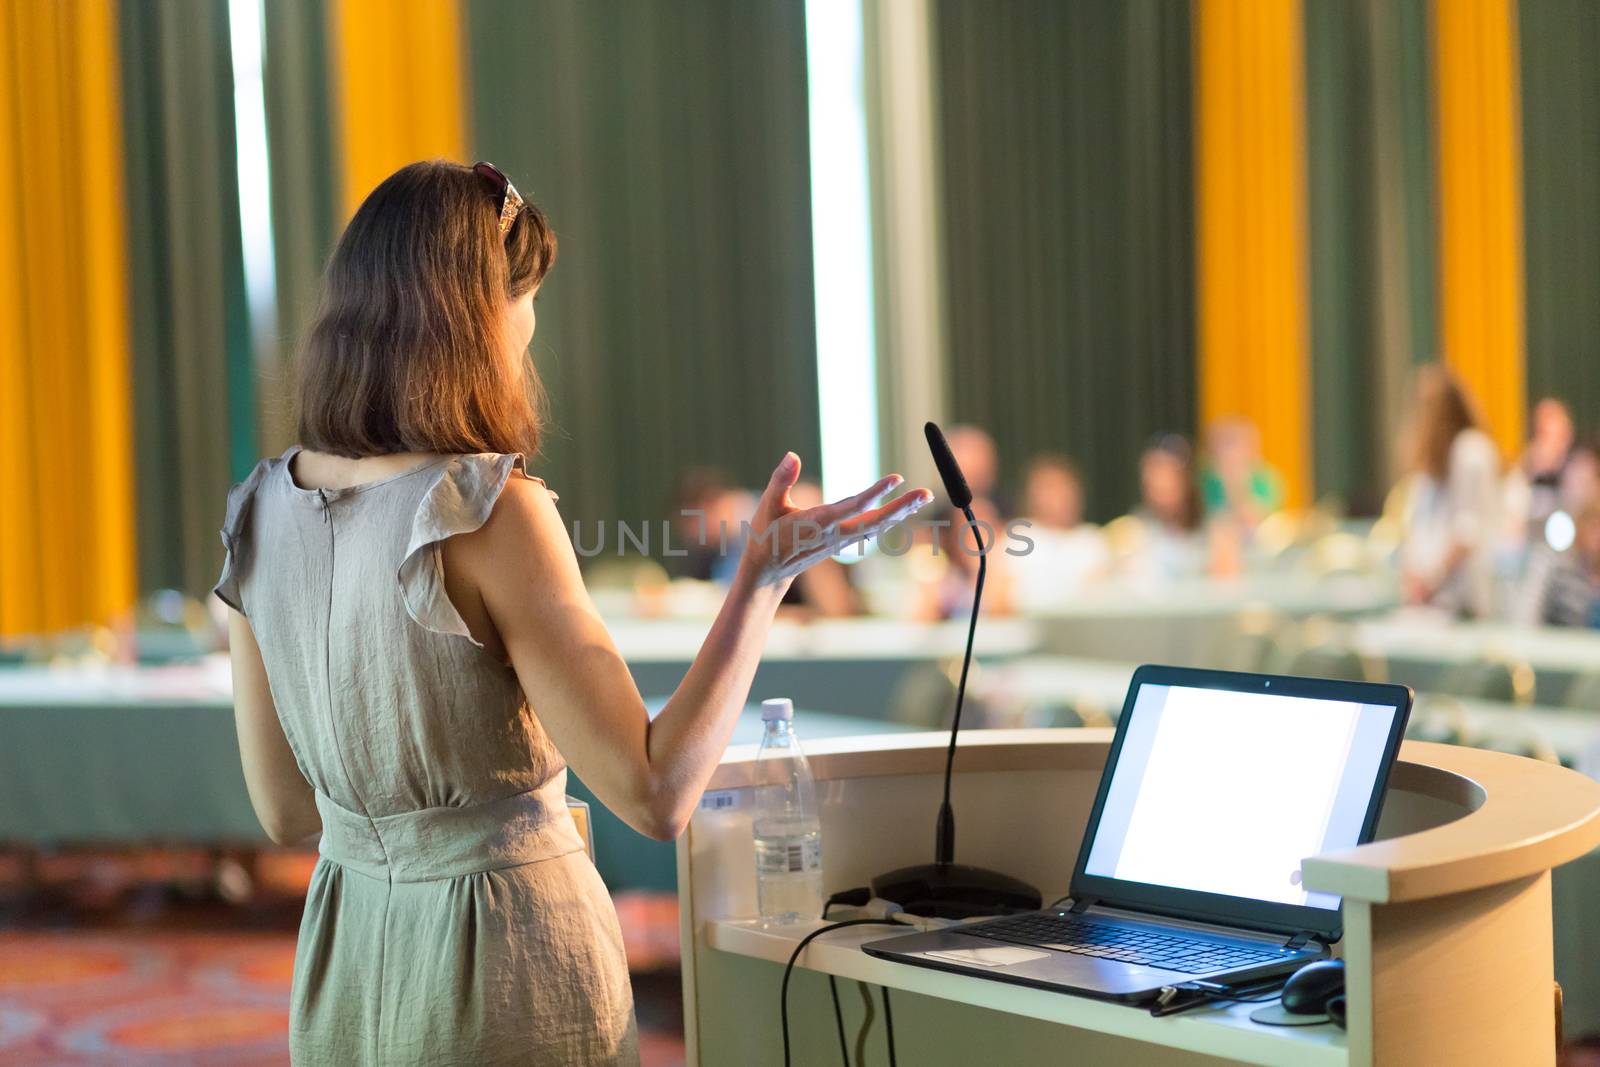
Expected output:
(651, 774)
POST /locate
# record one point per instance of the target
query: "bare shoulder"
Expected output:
(524, 531)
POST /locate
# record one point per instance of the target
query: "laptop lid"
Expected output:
(1218, 785)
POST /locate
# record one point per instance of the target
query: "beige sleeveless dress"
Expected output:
(453, 916)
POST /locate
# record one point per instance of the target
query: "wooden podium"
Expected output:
(1447, 916)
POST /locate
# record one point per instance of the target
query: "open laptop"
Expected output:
(1218, 785)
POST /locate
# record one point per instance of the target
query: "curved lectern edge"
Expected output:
(1519, 816)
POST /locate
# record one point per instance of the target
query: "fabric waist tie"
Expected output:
(437, 843)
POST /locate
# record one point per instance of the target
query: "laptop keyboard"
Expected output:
(1125, 944)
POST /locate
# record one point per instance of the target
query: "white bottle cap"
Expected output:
(781, 708)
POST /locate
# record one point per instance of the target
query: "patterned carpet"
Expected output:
(137, 998)
(196, 982)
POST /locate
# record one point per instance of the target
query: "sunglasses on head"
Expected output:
(511, 201)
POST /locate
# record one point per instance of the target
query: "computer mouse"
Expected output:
(1309, 989)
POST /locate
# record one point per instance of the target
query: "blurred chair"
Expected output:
(1277, 534)
(1337, 662)
(925, 695)
(1322, 648)
(1124, 534)
(1339, 553)
(1491, 677)
(1439, 718)
(1584, 693)
(627, 574)
(1254, 645)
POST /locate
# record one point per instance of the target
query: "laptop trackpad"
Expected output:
(998, 956)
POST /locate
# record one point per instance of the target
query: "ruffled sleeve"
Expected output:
(235, 544)
(460, 500)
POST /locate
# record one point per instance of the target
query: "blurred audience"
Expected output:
(1468, 532)
(1533, 489)
(1550, 448)
(1066, 553)
(698, 491)
(975, 452)
(1563, 587)
(1236, 483)
(1452, 513)
(1170, 543)
(707, 514)
(824, 590)
(946, 564)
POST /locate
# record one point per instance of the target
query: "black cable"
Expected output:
(855, 898)
(838, 1020)
(788, 968)
(1259, 991)
(888, 1023)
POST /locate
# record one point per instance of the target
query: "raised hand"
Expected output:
(785, 540)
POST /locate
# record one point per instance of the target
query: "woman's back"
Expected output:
(445, 829)
(388, 702)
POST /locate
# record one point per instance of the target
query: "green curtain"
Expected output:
(1561, 201)
(305, 220)
(193, 378)
(1065, 134)
(668, 145)
(1344, 341)
(1369, 166)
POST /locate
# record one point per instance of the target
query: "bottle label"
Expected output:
(796, 856)
(719, 800)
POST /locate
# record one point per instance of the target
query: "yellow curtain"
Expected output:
(1480, 207)
(398, 77)
(1251, 226)
(66, 501)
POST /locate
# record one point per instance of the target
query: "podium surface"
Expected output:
(1447, 916)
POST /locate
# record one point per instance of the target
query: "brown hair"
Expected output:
(406, 353)
(1443, 411)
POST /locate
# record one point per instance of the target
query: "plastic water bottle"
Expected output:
(788, 833)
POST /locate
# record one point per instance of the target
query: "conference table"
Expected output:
(1039, 690)
(855, 667)
(1195, 622)
(1422, 649)
(116, 755)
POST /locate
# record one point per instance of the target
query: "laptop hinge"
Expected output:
(1082, 904)
(1301, 940)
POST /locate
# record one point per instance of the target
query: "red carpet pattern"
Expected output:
(173, 998)
(140, 999)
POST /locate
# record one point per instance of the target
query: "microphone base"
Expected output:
(955, 891)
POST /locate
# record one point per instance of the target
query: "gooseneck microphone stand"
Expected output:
(944, 888)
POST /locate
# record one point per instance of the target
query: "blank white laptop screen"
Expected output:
(1226, 792)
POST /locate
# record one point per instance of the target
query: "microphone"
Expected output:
(955, 483)
(944, 888)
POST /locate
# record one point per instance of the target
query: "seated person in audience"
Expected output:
(1171, 544)
(1533, 486)
(825, 590)
(1580, 479)
(694, 510)
(1452, 516)
(975, 453)
(1066, 553)
(945, 561)
(708, 526)
(1237, 484)
(1563, 588)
